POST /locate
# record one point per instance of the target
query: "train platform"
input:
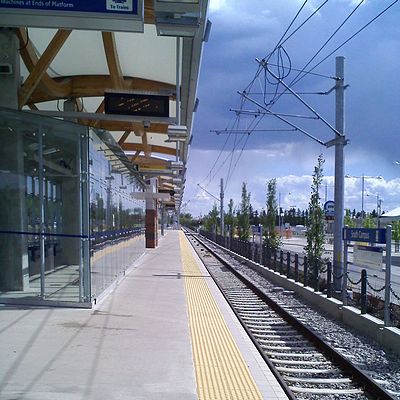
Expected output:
(165, 332)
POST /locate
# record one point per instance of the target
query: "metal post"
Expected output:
(329, 280)
(305, 270)
(178, 111)
(364, 277)
(296, 267)
(344, 279)
(339, 175)
(178, 81)
(362, 198)
(316, 275)
(162, 219)
(288, 264)
(80, 216)
(279, 215)
(388, 274)
(42, 215)
(84, 149)
(281, 263)
(222, 209)
(378, 211)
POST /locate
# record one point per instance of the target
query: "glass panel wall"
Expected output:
(116, 219)
(41, 251)
(69, 226)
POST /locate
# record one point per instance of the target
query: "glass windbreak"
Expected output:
(41, 226)
(116, 219)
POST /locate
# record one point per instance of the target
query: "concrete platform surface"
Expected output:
(135, 344)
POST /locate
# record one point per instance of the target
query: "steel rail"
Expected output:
(369, 385)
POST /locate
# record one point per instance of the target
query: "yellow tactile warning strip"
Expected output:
(221, 373)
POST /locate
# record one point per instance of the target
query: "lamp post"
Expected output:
(221, 203)
(363, 177)
(279, 211)
(378, 208)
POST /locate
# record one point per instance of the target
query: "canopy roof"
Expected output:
(393, 214)
(79, 66)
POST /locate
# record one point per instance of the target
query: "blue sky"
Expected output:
(244, 31)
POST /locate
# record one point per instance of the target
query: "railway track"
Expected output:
(306, 366)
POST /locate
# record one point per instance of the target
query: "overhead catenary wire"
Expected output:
(299, 76)
(355, 34)
(305, 21)
(230, 173)
(295, 80)
(328, 40)
(283, 119)
(219, 154)
(288, 28)
(281, 68)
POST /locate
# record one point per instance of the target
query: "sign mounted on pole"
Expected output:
(101, 15)
(329, 209)
(365, 235)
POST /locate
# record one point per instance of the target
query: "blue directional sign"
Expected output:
(329, 208)
(98, 6)
(365, 235)
(104, 15)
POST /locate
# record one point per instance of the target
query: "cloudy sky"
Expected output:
(245, 31)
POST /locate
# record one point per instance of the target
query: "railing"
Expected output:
(319, 276)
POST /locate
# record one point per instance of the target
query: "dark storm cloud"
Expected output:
(242, 32)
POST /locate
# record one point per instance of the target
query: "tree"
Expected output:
(396, 234)
(230, 218)
(348, 220)
(211, 220)
(368, 221)
(243, 215)
(187, 219)
(271, 236)
(315, 232)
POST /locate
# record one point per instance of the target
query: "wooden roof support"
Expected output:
(40, 68)
(151, 162)
(121, 141)
(95, 85)
(135, 156)
(152, 148)
(111, 52)
(47, 86)
(146, 147)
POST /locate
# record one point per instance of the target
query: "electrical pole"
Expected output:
(362, 199)
(340, 142)
(222, 209)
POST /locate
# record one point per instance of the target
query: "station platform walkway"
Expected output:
(164, 333)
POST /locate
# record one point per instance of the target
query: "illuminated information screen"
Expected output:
(136, 104)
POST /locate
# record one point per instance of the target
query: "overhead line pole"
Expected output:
(339, 142)
(222, 209)
(221, 203)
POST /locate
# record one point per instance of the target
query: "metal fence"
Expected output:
(360, 293)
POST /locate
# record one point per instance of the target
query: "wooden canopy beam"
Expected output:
(96, 85)
(121, 141)
(152, 148)
(151, 162)
(135, 156)
(42, 65)
(30, 59)
(114, 67)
